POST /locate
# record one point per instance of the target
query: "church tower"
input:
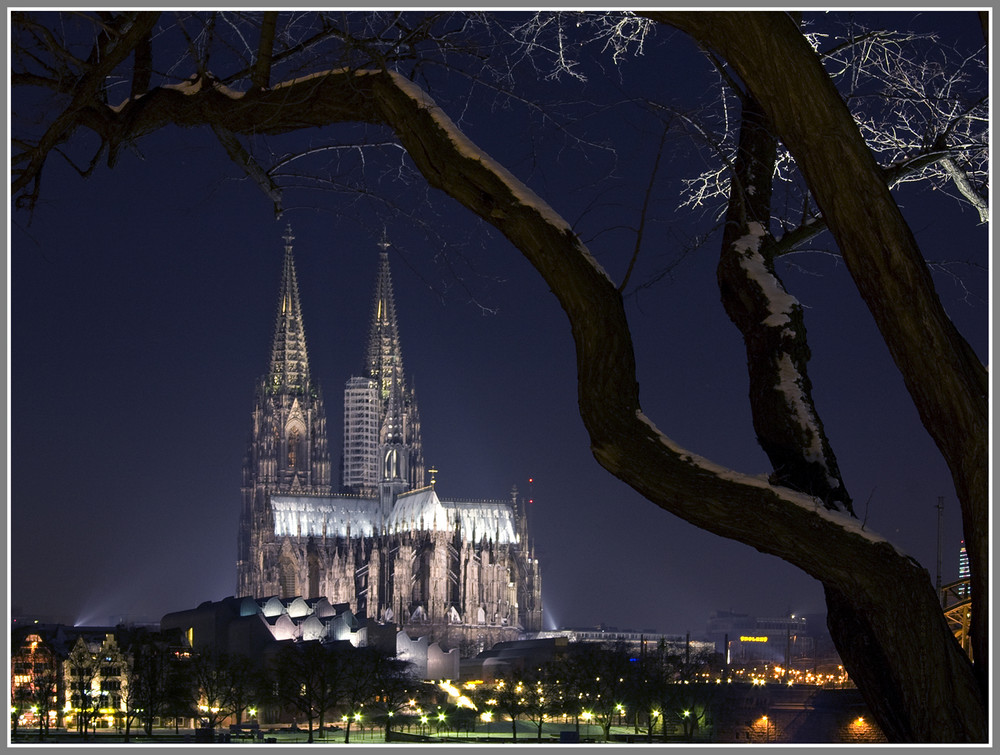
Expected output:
(287, 450)
(382, 447)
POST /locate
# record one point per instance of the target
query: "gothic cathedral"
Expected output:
(461, 572)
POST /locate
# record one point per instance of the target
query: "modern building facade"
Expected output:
(963, 571)
(461, 572)
(743, 638)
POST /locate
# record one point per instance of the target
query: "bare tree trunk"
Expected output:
(785, 418)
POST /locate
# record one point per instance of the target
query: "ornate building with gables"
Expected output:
(460, 572)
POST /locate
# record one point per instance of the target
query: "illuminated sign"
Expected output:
(745, 638)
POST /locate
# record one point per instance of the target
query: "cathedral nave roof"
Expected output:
(419, 510)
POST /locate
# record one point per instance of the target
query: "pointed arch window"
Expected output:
(391, 471)
(287, 578)
(294, 452)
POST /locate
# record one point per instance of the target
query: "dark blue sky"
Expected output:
(142, 307)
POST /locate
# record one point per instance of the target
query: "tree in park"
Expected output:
(606, 673)
(308, 677)
(101, 73)
(542, 694)
(151, 667)
(20, 700)
(506, 697)
(40, 696)
(245, 684)
(358, 685)
(393, 687)
(223, 685)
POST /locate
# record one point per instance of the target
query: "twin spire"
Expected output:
(289, 356)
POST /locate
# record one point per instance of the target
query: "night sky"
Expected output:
(142, 305)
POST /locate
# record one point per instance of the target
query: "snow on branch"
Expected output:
(844, 521)
(779, 301)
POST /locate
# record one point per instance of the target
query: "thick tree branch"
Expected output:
(793, 240)
(142, 69)
(261, 78)
(965, 187)
(239, 155)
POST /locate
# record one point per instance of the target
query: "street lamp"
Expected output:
(767, 728)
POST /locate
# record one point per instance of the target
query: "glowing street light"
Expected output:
(766, 722)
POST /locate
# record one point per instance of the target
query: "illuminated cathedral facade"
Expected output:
(462, 573)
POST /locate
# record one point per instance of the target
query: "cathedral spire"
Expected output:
(385, 357)
(289, 359)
